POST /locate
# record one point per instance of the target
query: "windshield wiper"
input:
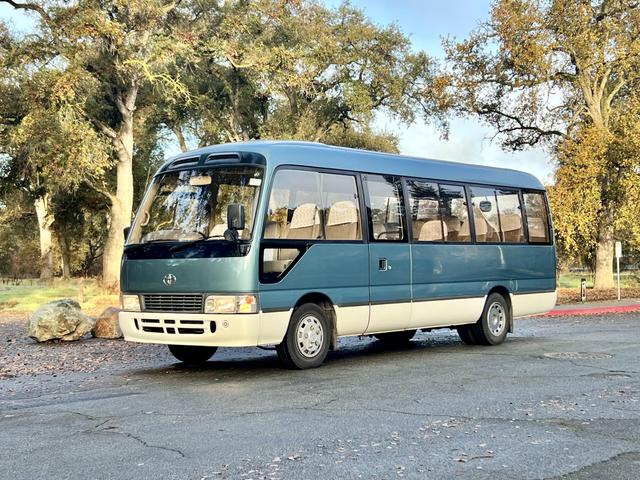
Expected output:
(182, 246)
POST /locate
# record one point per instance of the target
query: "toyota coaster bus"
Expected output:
(295, 244)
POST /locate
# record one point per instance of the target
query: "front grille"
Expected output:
(173, 327)
(172, 303)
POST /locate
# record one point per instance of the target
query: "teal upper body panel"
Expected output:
(346, 272)
(192, 275)
(325, 156)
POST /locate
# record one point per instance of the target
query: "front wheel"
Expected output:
(192, 355)
(306, 343)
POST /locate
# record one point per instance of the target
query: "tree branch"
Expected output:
(34, 7)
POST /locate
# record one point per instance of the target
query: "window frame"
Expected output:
(403, 192)
(366, 223)
(302, 245)
(438, 183)
(297, 242)
(550, 235)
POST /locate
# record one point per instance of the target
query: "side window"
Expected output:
(426, 222)
(535, 207)
(294, 206)
(485, 214)
(386, 208)
(340, 209)
(510, 215)
(455, 213)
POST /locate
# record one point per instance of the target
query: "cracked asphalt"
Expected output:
(560, 399)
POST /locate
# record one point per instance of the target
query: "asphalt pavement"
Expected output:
(559, 399)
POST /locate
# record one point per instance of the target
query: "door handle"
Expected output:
(383, 265)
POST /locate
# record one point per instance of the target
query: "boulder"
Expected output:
(107, 324)
(60, 319)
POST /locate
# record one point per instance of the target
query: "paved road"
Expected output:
(560, 397)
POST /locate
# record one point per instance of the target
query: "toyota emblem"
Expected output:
(169, 279)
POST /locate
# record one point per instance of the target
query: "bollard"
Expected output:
(583, 290)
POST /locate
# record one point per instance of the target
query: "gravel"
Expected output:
(22, 356)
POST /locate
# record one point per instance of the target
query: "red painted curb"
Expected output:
(593, 310)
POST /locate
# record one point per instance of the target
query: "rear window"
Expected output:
(535, 207)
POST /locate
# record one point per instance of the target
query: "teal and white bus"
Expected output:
(295, 244)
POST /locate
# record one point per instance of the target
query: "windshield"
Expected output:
(190, 205)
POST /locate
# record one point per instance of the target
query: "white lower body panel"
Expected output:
(237, 330)
(525, 304)
(246, 330)
(443, 313)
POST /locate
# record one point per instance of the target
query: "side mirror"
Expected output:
(126, 232)
(485, 206)
(235, 217)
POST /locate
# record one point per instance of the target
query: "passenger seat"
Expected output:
(305, 223)
(342, 221)
(454, 226)
(511, 227)
(537, 230)
(431, 231)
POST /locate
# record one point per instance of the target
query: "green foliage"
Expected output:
(564, 74)
(89, 99)
(297, 70)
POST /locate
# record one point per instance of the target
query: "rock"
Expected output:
(107, 324)
(60, 319)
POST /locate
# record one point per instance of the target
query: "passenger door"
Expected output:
(389, 254)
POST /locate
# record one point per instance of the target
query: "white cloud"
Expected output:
(469, 142)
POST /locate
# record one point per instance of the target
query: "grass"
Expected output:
(572, 280)
(27, 296)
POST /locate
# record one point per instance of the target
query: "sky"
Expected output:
(426, 22)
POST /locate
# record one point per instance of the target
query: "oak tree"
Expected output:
(561, 73)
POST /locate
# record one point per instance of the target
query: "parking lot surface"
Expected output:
(559, 399)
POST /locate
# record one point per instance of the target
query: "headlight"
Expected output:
(231, 304)
(130, 303)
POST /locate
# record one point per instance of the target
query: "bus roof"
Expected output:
(319, 155)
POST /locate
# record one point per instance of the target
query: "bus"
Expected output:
(294, 244)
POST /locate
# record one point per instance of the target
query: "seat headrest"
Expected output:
(510, 222)
(305, 215)
(342, 212)
(432, 231)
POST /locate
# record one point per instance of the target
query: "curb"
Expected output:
(592, 310)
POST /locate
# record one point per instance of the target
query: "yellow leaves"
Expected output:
(171, 86)
(523, 38)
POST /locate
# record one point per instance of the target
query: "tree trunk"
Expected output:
(604, 252)
(122, 203)
(182, 142)
(45, 220)
(65, 255)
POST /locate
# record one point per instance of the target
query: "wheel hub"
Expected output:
(496, 318)
(309, 336)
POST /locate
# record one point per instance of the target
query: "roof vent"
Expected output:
(222, 158)
(183, 162)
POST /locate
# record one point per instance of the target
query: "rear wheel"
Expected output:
(191, 354)
(492, 327)
(306, 343)
(396, 338)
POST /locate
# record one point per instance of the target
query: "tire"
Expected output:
(493, 325)
(396, 339)
(466, 335)
(306, 342)
(191, 354)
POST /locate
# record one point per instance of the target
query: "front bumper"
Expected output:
(215, 330)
